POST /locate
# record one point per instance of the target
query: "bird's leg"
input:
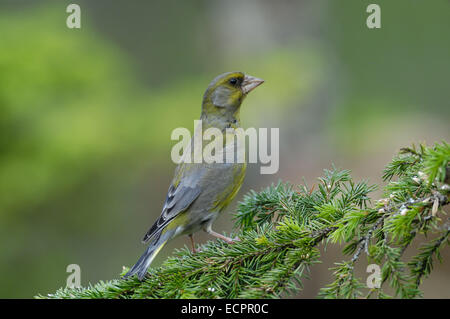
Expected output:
(220, 236)
(191, 237)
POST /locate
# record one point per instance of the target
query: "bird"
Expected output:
(199, 192)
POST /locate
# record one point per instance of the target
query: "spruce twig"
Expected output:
(281, 227)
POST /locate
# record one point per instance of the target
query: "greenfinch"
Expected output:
(200, 191)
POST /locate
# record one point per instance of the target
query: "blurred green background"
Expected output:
(86, 115)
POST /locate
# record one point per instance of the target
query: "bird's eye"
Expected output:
(233, 81)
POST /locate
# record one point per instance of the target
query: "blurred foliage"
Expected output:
(69, 102)
(394, 75)
(86, 115)
(73, 118)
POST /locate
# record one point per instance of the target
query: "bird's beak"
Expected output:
(250, 83)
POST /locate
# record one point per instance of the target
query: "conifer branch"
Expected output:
(281, 227)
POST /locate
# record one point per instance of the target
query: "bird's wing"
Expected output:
(182, 192)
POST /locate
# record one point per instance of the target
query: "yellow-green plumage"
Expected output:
(200, 191)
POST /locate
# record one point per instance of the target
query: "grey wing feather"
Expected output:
(178, 200)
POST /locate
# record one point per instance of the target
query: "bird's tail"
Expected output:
(140, 268)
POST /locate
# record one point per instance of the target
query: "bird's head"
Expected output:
(226, 92)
